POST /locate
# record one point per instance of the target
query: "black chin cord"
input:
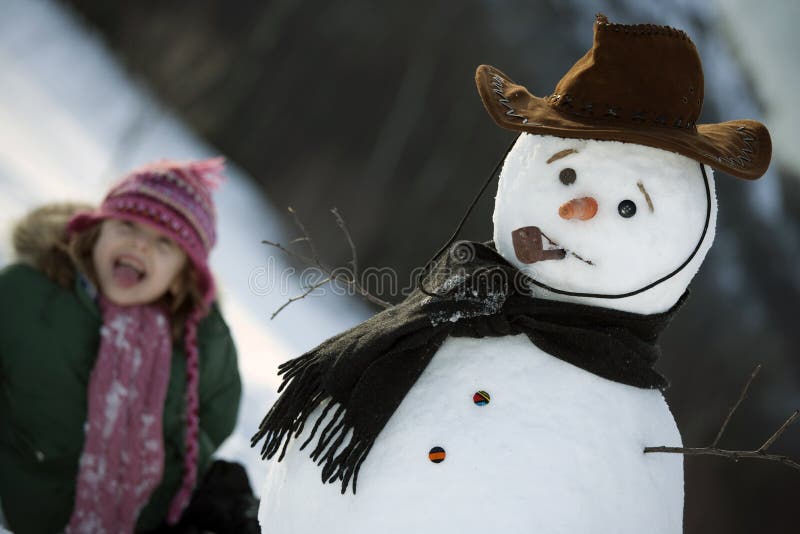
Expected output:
(426, 270)
(492, 175)
(652, 284)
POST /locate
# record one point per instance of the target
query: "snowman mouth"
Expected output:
(128, 271)
(531, 245)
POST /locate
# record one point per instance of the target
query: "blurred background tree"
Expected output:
(371, 107)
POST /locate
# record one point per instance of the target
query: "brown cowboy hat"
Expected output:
(639, 84)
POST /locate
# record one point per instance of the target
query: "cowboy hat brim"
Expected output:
(742, 148)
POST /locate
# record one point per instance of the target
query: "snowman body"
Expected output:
(556, 449)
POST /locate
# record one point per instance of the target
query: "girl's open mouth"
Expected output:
(128, 271)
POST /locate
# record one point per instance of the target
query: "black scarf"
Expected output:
(367, 370)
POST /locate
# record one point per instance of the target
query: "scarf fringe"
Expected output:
(302, 394)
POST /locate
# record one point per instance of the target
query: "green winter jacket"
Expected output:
(49, 337)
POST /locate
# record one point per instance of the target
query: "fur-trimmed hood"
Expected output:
(42, 230)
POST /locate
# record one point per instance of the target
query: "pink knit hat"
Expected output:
(175, 199)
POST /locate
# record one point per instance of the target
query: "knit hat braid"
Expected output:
(175, 199)
(181, 499)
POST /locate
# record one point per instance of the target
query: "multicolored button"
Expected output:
(437, 455)
(481, 398)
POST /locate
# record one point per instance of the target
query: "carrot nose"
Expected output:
(579, 208)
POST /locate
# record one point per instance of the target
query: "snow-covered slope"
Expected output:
(71, 121)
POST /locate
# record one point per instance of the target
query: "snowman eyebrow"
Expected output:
(561, 154)
(646, 196)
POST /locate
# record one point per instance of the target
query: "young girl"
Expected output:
(118, 375)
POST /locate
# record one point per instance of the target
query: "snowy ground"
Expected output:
(71, 121)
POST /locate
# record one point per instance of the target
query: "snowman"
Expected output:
(515, 391)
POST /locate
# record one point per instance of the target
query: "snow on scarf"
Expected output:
(123, 454)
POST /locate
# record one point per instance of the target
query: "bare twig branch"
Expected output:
(288, 252)
(353, 255)
(733, 455)
(302, 296)
(350, 280)
(759, 454)
(306, 237)
(774, 437)
(735, 406)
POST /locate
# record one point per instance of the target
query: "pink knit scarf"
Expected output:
(123, 453)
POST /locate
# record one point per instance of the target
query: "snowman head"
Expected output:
(607, 198)
(606, 223)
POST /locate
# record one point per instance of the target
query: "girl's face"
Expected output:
(135, 263)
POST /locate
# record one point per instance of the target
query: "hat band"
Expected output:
(566, 103)
(154, 195)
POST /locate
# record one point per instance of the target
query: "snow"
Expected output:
(72, 121)
(626, 254)
(113, 403)
(553, 441)
(475, 303)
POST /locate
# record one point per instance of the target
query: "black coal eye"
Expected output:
(567, 176)
(627, 208)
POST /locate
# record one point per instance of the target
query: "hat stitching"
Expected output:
(748, 139)
(564, 101)
(639, 29)
(499, 84)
